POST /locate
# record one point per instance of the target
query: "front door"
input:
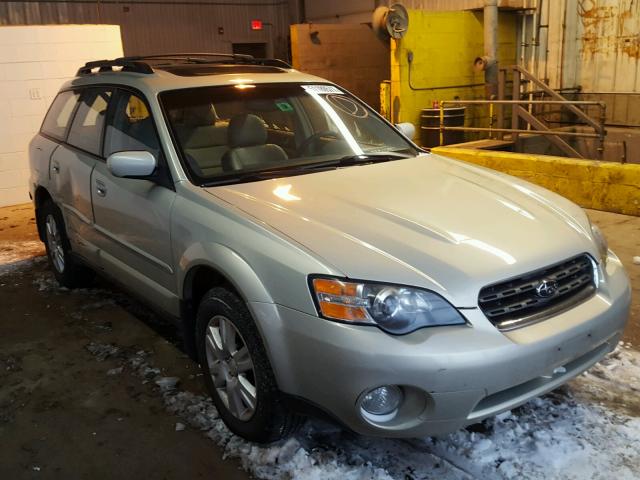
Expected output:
(132, 216)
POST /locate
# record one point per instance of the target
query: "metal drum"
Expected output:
(430, 117)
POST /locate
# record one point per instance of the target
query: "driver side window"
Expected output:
(131, 127)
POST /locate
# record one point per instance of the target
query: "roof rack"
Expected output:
(140, 64)
(126, 64)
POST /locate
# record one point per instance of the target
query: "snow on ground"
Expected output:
(19, 250)
(16, 265)
(551, 437)
(14, 255)
(589, 429)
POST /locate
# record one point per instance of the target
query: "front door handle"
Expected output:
(55, 168)
(101, 189)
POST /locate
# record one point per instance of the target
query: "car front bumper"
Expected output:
(451, 376)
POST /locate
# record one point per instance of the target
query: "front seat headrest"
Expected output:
(246, 130)
(200, 116)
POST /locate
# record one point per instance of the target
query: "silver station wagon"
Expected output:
(317, 261)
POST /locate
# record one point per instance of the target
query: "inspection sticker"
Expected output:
(322, 89)
(284, 106)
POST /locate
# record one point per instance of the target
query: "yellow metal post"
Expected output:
(441, 122)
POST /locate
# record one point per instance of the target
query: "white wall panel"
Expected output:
(34, 62)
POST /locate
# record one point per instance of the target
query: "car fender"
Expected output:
(229, 264)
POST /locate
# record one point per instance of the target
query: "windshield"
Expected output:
(235, 133)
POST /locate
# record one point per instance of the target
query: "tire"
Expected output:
(67, 270)
(261, 418)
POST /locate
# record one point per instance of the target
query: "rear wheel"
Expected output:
(237, 371)
(67, 270)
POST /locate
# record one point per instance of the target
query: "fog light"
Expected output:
(381, 404)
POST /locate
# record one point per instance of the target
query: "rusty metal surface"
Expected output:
(608, 35)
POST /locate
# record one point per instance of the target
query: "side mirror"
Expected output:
(134, 164)
(407, 129)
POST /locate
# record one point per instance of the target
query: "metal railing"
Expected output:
(534, 124)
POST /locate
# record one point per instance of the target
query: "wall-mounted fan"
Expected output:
(390, 21)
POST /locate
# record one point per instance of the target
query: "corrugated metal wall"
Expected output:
(158, 26)
(594, 45)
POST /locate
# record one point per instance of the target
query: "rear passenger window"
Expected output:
(59, 115)
(86, 129)
(131, 127)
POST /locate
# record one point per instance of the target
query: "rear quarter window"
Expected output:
(59, 115)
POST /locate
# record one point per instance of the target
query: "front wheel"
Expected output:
(237, 371)
(67, 270)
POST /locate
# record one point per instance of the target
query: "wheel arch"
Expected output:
(201, 273)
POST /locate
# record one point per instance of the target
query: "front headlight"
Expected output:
(601, 242)
(395, 309)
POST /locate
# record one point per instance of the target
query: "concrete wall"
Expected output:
(34, 62)
(349, 55)
(339, 11)
(444, 46)
(606, 186)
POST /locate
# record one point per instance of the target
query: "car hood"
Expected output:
(427, 221)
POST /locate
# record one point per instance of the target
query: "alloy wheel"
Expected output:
(231, 367)
(54, 242)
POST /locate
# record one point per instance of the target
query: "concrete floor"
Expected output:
(63, 416)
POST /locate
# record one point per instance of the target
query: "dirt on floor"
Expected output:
(78, 400)
(623, 234)
(18, 234)
(65, 415)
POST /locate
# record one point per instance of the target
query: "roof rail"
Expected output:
(192, 56)
(139, 63)
(124, 63)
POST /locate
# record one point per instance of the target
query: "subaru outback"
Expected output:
(314, 257)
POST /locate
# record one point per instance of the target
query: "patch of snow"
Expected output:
(108, 302)
(115, 371)
(19, 265)
(16, 251)
(46, 282)
(180, 427)
(556, 436)
(102, 351)
(167, 383)
(636, 260)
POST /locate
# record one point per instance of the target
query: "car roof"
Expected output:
(157, 73)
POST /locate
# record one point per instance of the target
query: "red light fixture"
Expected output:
(256, 24)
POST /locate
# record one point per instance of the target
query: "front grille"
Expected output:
(525, 300)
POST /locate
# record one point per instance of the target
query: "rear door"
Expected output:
(132, 216)
(71, 166)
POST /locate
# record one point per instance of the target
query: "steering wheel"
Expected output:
(309, 141)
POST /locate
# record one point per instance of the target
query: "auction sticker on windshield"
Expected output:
(322, 89)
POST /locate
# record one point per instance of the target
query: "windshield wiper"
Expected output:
(259, 175)
(370, 158)
(346, 161)
(361, 159)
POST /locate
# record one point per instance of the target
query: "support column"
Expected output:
(491, 47)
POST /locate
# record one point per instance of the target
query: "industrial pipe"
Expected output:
(491, 47)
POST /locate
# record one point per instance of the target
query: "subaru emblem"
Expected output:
(546, 288)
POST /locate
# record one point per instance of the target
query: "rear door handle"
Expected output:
(55, 168)
(101, 189)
